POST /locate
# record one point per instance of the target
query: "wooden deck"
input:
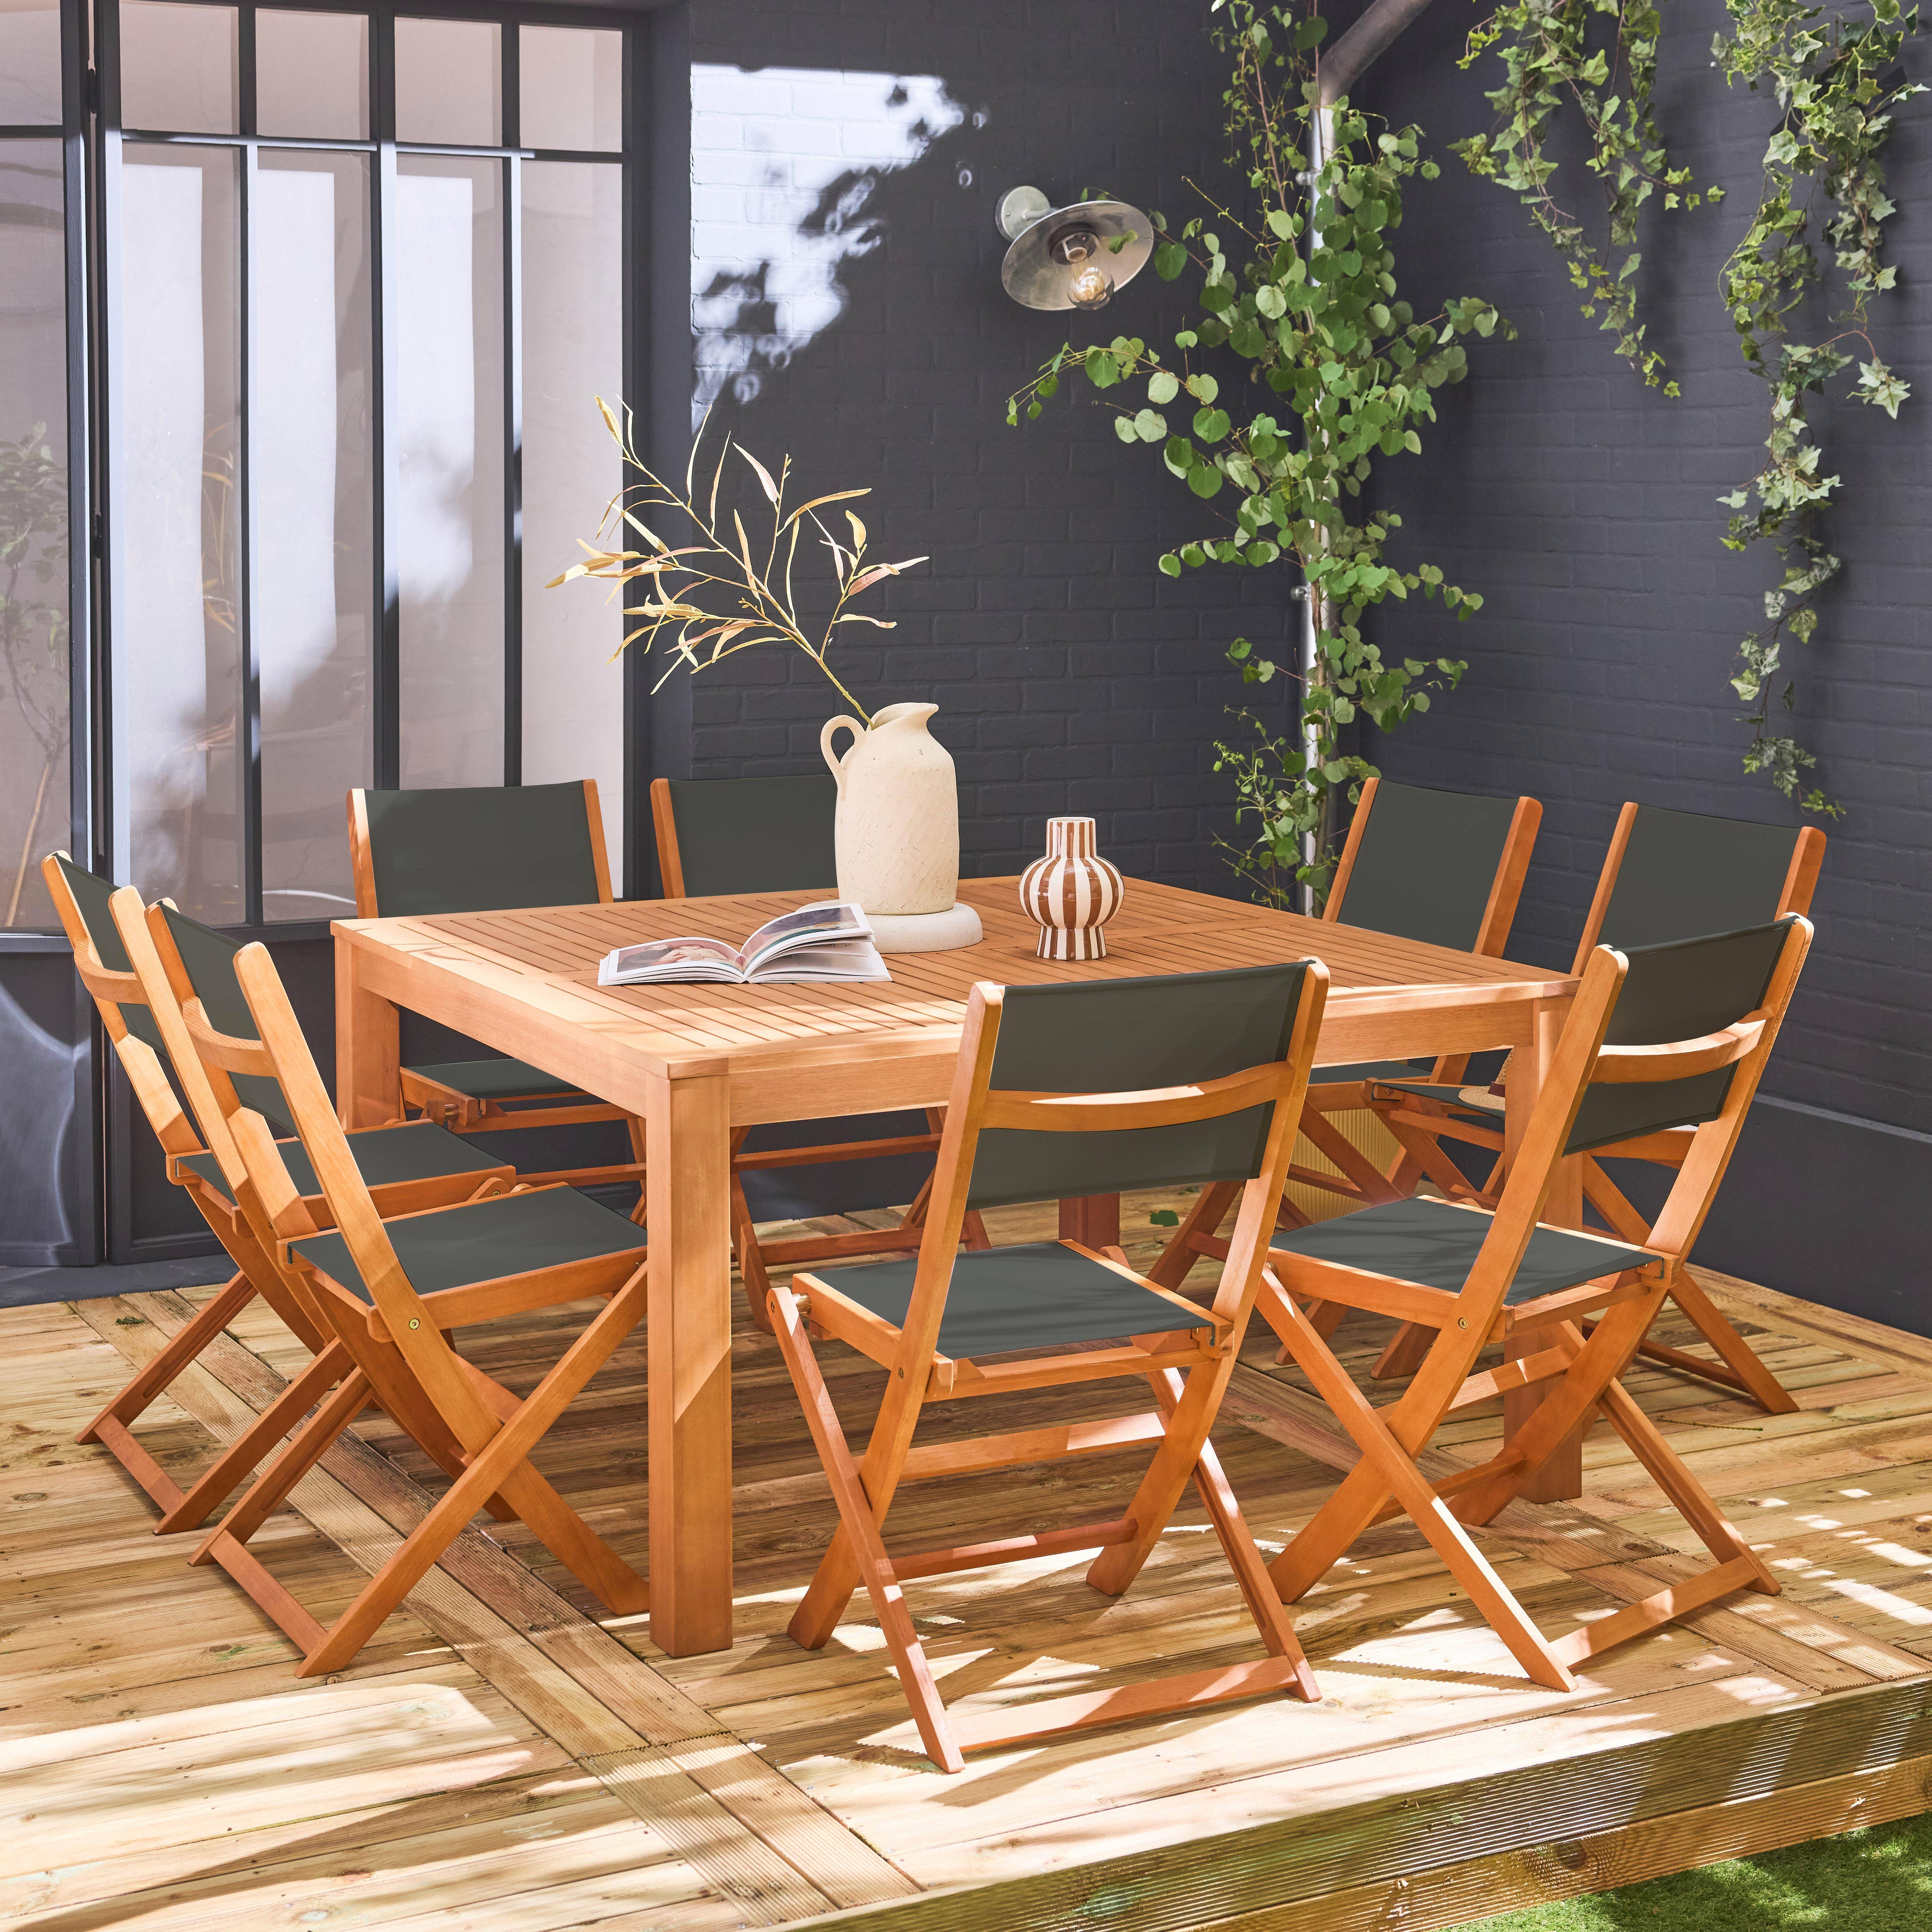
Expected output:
(500, 1761)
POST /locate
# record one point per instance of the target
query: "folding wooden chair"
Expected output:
(721, 837)
(1665, 1037)
(390, 1292)
(1446, 867)
(485, 848)
(1668, 875)
(1074, 1089)
(409, 1167)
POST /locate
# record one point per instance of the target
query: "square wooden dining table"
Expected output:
(696, 1062)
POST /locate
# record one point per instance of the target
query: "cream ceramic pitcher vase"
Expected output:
(897, 831)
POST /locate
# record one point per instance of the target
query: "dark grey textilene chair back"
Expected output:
(752, 835)
(91, 895)
(1425, 863)
(1683, 873)
(1677, 992)
(481, 848)
(1130, 1035)
(208, 959)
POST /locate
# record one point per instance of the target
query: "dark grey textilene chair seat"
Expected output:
(1434, 1245)
(386, 1156)
(1383, 1070)
(484, 1241)
(494, 1079)
(1039, 1295)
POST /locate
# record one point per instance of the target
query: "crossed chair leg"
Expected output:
(1387, 1483)
(858, 1555)
(486, 1460)
(113, 1427)
(1416, 1125)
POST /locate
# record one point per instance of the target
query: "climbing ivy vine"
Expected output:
(1836, 82)
(1835, 79)
(1323, 369)
(1599, 56)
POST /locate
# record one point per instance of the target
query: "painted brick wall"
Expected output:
(846, 162)
(845, 295)
(1583, 506)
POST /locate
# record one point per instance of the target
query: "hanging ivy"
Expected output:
(1298, 299)
(1558, 55)
(1836, 82)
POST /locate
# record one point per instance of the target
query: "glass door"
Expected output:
(361, 285)
(42, 454)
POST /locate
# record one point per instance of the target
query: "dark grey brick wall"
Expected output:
(1070, 676)
(1583, 506)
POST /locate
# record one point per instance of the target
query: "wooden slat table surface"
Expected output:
(696, 1061)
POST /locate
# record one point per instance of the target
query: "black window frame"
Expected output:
(634, 158)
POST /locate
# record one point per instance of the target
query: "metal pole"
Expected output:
(1320, 127)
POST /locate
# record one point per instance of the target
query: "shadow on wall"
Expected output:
(793, 157)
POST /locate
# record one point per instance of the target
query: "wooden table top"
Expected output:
(544, 962)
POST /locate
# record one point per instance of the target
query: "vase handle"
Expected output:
(838, 765)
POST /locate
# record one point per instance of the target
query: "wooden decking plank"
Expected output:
(1538, 1875)
(470, 1599)
(1223, 1821)
(1203, 1875)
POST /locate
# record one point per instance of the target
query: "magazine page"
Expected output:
(851, 959)
(692, 959)
(814, 925)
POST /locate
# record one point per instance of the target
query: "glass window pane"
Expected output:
(34, 709)
(30, 63)
(311, 475)
(178, 67)
(177, 808)
(449, 81)
(312, 74)
(448, 417)
(573, 353)
(571, 88)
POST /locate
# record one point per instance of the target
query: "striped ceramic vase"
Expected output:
(1071, 893)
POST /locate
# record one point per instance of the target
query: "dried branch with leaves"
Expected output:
(715, 597)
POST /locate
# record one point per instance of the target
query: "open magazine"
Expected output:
(827, 941)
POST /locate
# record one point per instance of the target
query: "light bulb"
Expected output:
(1089, 286)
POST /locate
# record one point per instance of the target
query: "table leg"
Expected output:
(1093, 1220)
(368, 1052)
(687, 1125)
(1562, 1476)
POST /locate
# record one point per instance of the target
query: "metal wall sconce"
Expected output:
(1073, 257)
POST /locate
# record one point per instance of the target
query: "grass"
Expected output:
(1879, 1879)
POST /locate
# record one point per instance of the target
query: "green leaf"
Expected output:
(1169, 564)
(1163, 385)
(1280, 222)
(1210, 425)
(1169, 259)
(1124, 428)
(1164, 1217)
(1150, 425)
(1203, 388)
(1102, 371)
(1204, 480)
